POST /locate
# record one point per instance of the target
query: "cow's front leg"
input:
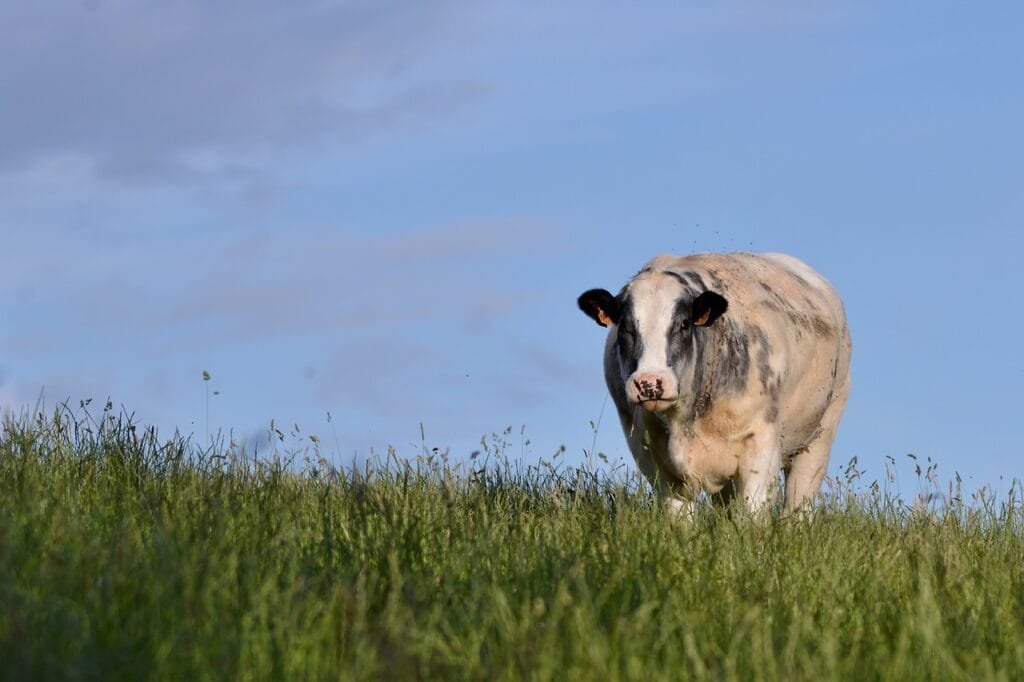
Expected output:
(681, 509)
(649, 442)
(758, 474)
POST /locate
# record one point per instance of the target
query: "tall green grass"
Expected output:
(126, 557)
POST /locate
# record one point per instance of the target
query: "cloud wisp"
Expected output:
(212, 291)
(187, 92)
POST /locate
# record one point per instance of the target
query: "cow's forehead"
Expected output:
(653, 298)
(656, 286)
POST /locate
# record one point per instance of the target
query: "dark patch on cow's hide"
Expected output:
(774, 400)
(690, 288)
(733, 362)
(696, 280)
(812, 323)
(832, 384)
(628, 341)
(764, 351)
(680, 335)
(678, 277)
(717, 282)
(771, 383)
(821, 327)
(721, 364)
(700, 390)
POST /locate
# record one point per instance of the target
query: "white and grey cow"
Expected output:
(726, 369)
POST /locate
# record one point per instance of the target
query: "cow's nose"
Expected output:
(649, 389)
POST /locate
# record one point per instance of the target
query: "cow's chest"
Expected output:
(709, 452)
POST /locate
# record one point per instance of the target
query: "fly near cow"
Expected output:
(727, 369)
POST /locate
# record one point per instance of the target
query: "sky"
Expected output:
(371, 220)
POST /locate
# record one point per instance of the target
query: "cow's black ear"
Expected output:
(707, 308)
(600, 306)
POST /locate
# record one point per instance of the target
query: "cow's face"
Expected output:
(657, 319)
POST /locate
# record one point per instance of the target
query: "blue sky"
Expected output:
(385, 210)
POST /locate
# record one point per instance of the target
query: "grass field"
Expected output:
(123, 557)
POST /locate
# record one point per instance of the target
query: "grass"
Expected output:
(126, 557)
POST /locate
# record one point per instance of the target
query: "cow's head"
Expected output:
(658, 320)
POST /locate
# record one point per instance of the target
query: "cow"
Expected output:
(726, 369)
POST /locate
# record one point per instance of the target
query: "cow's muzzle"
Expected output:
(649, 389)
(654, 392)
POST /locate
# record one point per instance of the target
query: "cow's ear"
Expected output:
(600, 306)
(707, 308)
